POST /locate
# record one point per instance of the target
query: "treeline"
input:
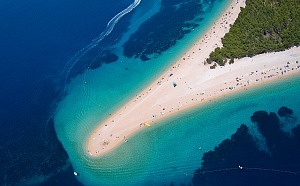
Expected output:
(262, 26)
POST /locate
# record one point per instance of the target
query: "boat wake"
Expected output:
(109, 28)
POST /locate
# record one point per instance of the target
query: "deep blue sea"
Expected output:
(66, 65)
(38, 38)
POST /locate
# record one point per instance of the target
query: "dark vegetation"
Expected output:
(262, 26)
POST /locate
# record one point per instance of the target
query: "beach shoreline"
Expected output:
(189, 83)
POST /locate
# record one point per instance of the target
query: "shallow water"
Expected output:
(169, 151)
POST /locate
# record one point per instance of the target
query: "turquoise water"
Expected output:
(168, 151)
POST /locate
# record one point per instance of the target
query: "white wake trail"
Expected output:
(111, 24)
(109, 28)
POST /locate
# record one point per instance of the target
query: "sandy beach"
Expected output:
(189, 83)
